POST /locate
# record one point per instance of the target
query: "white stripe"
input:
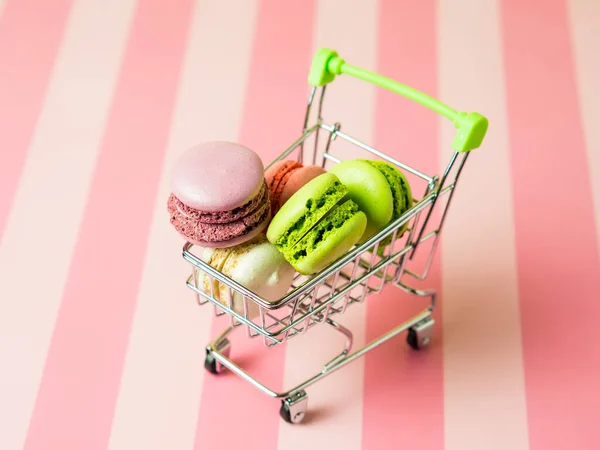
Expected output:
(585, 29)
(42, 227)
(483, 368)
(351, 29)
(161, 386)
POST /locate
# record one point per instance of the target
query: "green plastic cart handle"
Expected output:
(472, 127)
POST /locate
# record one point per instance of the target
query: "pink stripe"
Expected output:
(557, 252)
(77, 395)
(54, 186)
(335, 404)
(30, 35)
(403, 389)
(232, 412)
(162, 379)
(483, 360)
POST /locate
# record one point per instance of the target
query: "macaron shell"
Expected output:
(329, 239)
(304, 209)
(402, 194)
(217, 176)
(216, 259)
(297, 180)
(399, 185)
(262, 269)
(278, 169)
(277, 179)
(369, 189)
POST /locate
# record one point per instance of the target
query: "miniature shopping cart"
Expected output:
(365, 269)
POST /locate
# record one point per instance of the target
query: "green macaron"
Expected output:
(370, 190)
(311, 202)
(312, 229)
(400, 188)
(402, 194)
(379, 189)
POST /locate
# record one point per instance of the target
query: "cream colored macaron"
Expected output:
(257, 265)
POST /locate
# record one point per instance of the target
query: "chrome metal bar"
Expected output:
(310, 309)
(319, 120)
(377, 152)
(294, 145)
(369, 270)
(199, 299)
(334, 367)
(389, 250)
(432, 294)
(347, 347)
(230, 304)
(352, 276)
(330, 157)
(433, 203)
(245, 305)
(311, 97)
(195, 283)
(451, 189)
(332, 136)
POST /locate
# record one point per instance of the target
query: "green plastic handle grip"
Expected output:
(471, 127)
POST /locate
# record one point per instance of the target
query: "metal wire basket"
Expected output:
(366, 269)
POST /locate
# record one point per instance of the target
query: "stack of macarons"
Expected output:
(337, 210)
(222, 200)
(260, 227)
(219, 195)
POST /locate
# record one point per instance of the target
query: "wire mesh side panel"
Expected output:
(366, 273)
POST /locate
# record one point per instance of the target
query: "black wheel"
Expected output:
(210, 363)
(285, 413)
(412, 339)
(293, 408)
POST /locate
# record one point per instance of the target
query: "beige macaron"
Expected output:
(257, 265)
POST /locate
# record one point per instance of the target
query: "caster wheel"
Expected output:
(293, 409)
(210, 362)
(419, 335)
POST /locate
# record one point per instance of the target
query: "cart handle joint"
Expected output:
(471, 127)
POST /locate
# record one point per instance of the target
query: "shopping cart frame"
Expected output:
(317, 299)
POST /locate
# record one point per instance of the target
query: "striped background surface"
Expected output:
(101, 343)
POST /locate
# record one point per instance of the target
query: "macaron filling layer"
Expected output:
(337, 232)
(315, 209)
(278, 190)
(225, 216)
(334, 220)
(280, 179)
(186, 224)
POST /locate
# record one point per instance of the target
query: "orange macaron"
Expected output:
(285, 178)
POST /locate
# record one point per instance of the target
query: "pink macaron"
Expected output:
(219, 196)
(285, 178)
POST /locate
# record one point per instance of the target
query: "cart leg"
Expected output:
(221, 345)
(293, 408)
(419, 335)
